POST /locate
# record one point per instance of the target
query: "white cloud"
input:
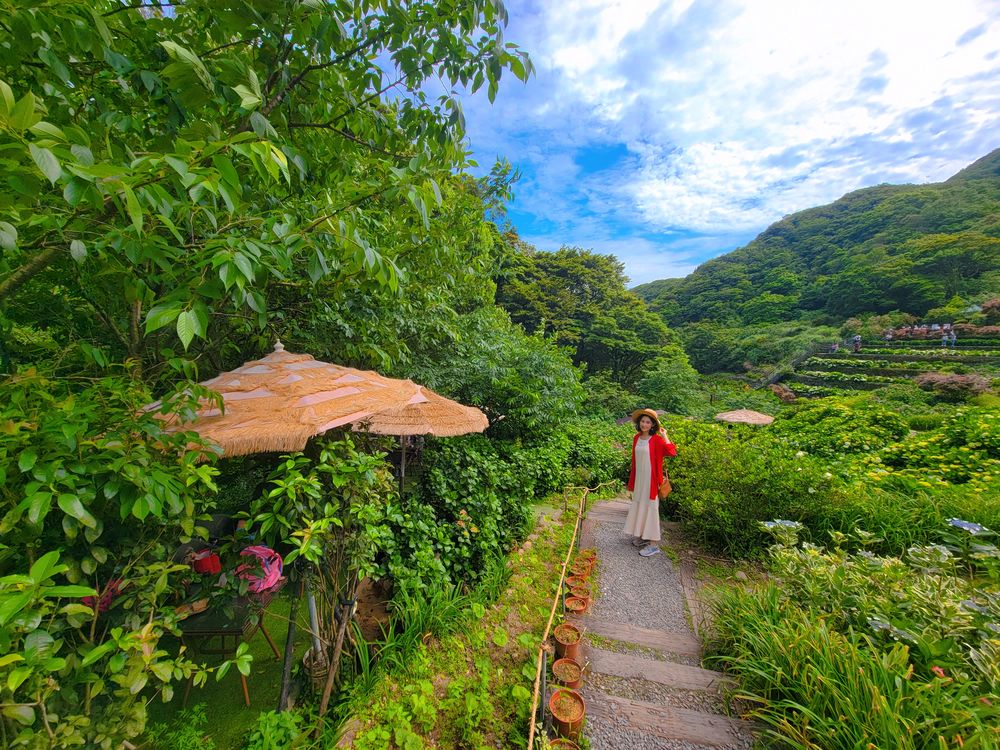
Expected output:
(736, 112)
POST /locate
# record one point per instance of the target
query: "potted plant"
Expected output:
(568, 709)
(561, 743)
(582, 592)
(588, 553)
(568, 637)
(568, 672)
(572, 581)
(577, 605)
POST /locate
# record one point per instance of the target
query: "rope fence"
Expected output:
(540, 661)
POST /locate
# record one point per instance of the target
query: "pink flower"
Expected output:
(938, 671)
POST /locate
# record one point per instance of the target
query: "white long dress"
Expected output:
(644, 516)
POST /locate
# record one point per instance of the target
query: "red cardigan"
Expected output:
(658, 449)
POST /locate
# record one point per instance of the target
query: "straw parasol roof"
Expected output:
(427, 413)
(745, 416)
(277, 403)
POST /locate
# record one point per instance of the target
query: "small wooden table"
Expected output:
(222, 629)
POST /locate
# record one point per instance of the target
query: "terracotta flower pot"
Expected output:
(568, 672)
(568, 638)
(584, 592)
(568, 709)
(577, 605)
(572, 581)
(589, 553)
(581, 570)
(561, 743)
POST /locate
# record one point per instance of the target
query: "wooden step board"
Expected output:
(669, 722)
(667, 673)
(672, 642)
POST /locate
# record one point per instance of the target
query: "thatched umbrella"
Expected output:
(281, 401)
(427, 413)
(744, 416)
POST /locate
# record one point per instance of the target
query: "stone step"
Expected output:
(672, 642)
(616, 514)
(668, 722)
(667, 673)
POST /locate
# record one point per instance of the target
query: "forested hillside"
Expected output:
(912, 248)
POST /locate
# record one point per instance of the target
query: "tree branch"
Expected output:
(297, 79)
(11, 284)
(349, 136)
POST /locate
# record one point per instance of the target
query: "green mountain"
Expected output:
(911, 248)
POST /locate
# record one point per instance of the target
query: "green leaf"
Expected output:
(133, 208)
(248, 99)
(78, 251)
(6, 97)
(22, 714)
(71, 506)
(39, 505)
(47, 128)
(96, 653)
(500, 637)
(8, 236)
(70, 592)
(46, 161)
(17, 676)
(10, 606)
(190, 60)
(162, 315)
(82, 154)
(23, 115)
(186, 326)
(43, 567)
(27, 460)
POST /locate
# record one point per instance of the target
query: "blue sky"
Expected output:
(669, 132)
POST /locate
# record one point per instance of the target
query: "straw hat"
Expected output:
(640, 413)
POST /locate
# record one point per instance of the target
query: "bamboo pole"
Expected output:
(540, 660)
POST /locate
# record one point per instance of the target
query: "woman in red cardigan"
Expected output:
(649, 447)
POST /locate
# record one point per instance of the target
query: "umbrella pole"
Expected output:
(402, 463)
(318, 652)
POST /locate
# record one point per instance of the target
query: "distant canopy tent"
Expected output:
(744, 416)
(281, 401)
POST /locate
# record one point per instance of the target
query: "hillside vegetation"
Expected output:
(911, 248)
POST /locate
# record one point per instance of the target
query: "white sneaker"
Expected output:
(649, 550)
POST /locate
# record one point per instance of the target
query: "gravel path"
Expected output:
(641, 591)
(646, 593)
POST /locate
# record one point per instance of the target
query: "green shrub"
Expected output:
(816, 687)
(473, 497)
(728, 479)
(925, 422)
(835, 427)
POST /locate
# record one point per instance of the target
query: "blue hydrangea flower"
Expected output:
(975, 529)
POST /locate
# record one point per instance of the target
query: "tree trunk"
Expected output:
(338, 647)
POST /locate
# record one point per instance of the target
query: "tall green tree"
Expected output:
(175, 170)
(578, 297)
(200, 176)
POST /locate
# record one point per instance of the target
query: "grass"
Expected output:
(229, 720)
(472, 688)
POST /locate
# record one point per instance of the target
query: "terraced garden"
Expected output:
(893, 363)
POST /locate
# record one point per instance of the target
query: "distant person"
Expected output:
(952, 338)
(857, 343)
(944, 339)
(834, 347)
(649, 447)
